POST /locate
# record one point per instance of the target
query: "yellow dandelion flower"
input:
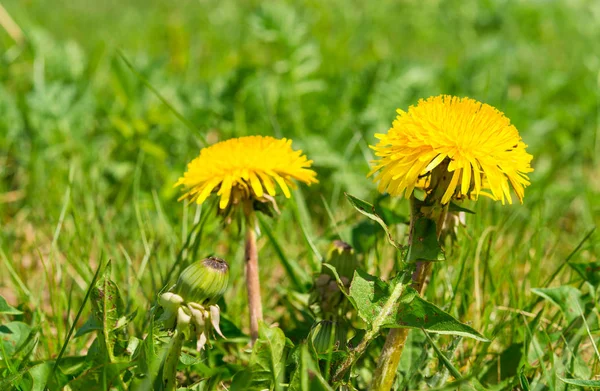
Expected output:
(243, 168)
(472, 141)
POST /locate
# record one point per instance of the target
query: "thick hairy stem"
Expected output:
(252, 280)
(391, 353)
(370, 335)
(171, 360)
(396, 338)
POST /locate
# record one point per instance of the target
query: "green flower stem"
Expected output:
(391, 353)
(370, 335)
(252, 279)
(171, 361)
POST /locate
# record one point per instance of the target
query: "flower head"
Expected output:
(244, 168)
(472, 142)
(190, 305)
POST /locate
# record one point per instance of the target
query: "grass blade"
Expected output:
(70, 333)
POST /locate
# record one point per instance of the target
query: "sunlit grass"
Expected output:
(89, 155)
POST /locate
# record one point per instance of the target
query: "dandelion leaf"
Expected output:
(589, 271)
(368, 210)
(370, 294)
(267, 361)
(7, 309)
(425, 245)
(567, 298)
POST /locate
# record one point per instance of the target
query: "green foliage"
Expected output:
(101, 106)
(370, 295)
(108, 312)
(566, 297)
(369, 210)
(589, 271)
(583, 383)
(265, 369)
(7, 309)
(307, 376)
(425, 245)
(14, 336)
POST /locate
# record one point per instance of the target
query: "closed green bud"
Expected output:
(329, 336)
(203, 282)
(341, 256)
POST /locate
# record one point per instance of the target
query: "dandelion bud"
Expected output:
(341, 256)
(326, 292)
(203, 282)
(328, 335)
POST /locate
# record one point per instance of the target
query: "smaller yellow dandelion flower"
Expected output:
(243, 168)
(472, 141)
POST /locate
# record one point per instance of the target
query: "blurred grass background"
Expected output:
(89, 155)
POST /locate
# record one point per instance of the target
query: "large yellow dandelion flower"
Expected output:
(472, 141)
(243, 168)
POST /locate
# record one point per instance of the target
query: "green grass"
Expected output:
(89, 155)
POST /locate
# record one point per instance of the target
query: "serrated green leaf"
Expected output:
(425, 245)
(267, 354)
(92, 324)
(589, 271)
(300, 377)
(148, 361)
(370, 294)
(267, 361)
(26, 348)
(13, 336)
(188, 360)
(7, 309)
(108, 308)
(566, 297)
(368, 210)
(582, 383)
(419, 313)
(39, 374)
(74, 365)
